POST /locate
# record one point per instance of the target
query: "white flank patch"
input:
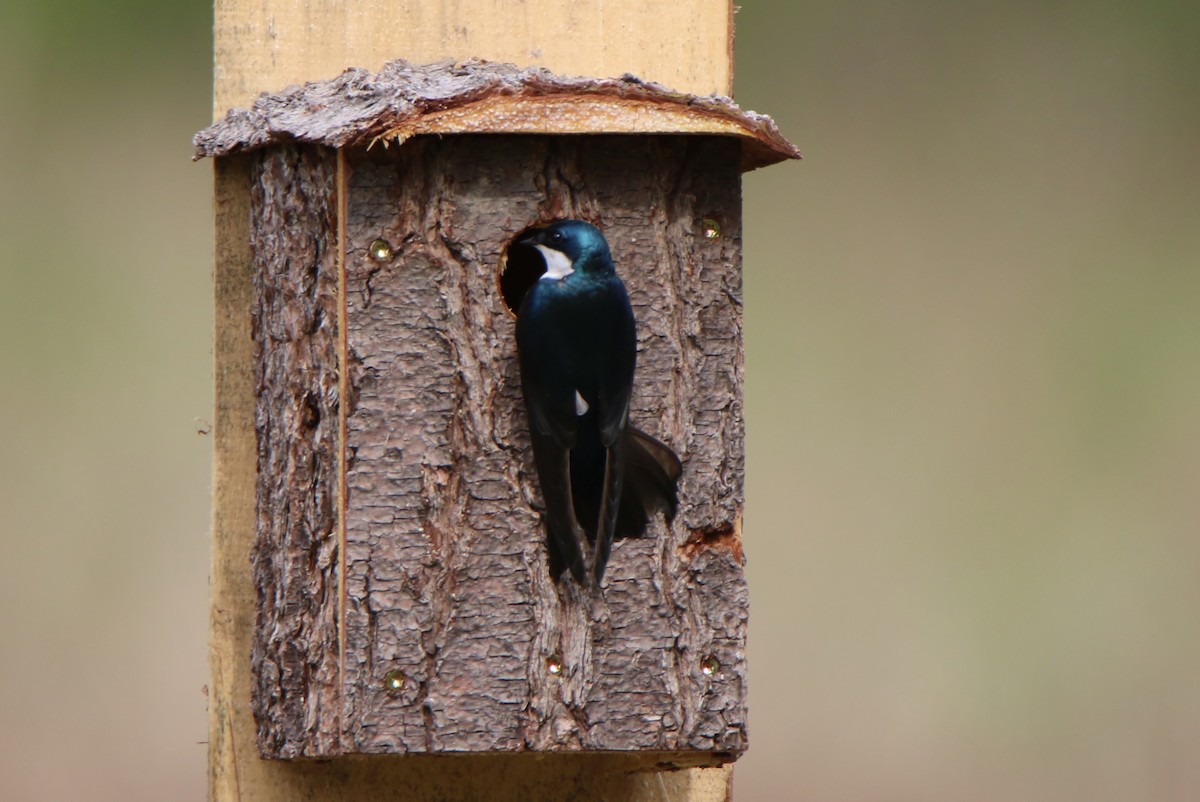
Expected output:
(558, 266)
(581, 406)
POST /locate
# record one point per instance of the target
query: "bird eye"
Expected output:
(557, 236)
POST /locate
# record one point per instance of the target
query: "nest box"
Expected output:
(405, 604)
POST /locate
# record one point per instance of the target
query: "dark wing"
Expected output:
(565, 538)
(619, 360)
(549, 403)
(615, 388)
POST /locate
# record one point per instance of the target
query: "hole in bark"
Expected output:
(310, 411)
(520, 267)
(721, 537)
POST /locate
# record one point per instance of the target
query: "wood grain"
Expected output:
(231, 621)
(265, 45)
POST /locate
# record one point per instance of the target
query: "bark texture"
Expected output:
(359, 107)
(455, 637)
(293, 236)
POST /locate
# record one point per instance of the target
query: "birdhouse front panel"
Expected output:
(456, 636)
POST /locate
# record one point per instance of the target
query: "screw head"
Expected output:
(394, 681)
(554, 665)
(380, 250)
(710, 228)
(709, 666)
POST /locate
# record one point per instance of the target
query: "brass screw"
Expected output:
(380, 250)
(394, 681)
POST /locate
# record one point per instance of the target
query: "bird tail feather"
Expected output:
(652, 474)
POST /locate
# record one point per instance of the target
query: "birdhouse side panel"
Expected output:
(456, 637)
(296, 340)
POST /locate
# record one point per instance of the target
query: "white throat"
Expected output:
(558, 266)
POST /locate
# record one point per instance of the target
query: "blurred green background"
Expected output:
(973, 525)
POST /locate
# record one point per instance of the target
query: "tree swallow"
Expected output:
(576, 341)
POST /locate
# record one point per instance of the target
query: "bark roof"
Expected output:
(359, 108)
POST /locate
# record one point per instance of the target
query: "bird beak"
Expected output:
(531, 238)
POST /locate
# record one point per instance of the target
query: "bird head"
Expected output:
(569, 246)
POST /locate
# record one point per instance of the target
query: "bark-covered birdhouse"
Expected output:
(406, 603)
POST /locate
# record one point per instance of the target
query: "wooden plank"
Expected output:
(231, 726)
(265, 45)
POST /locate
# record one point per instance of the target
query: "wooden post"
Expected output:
(263, 45)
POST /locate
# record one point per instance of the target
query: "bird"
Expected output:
(601, 478)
